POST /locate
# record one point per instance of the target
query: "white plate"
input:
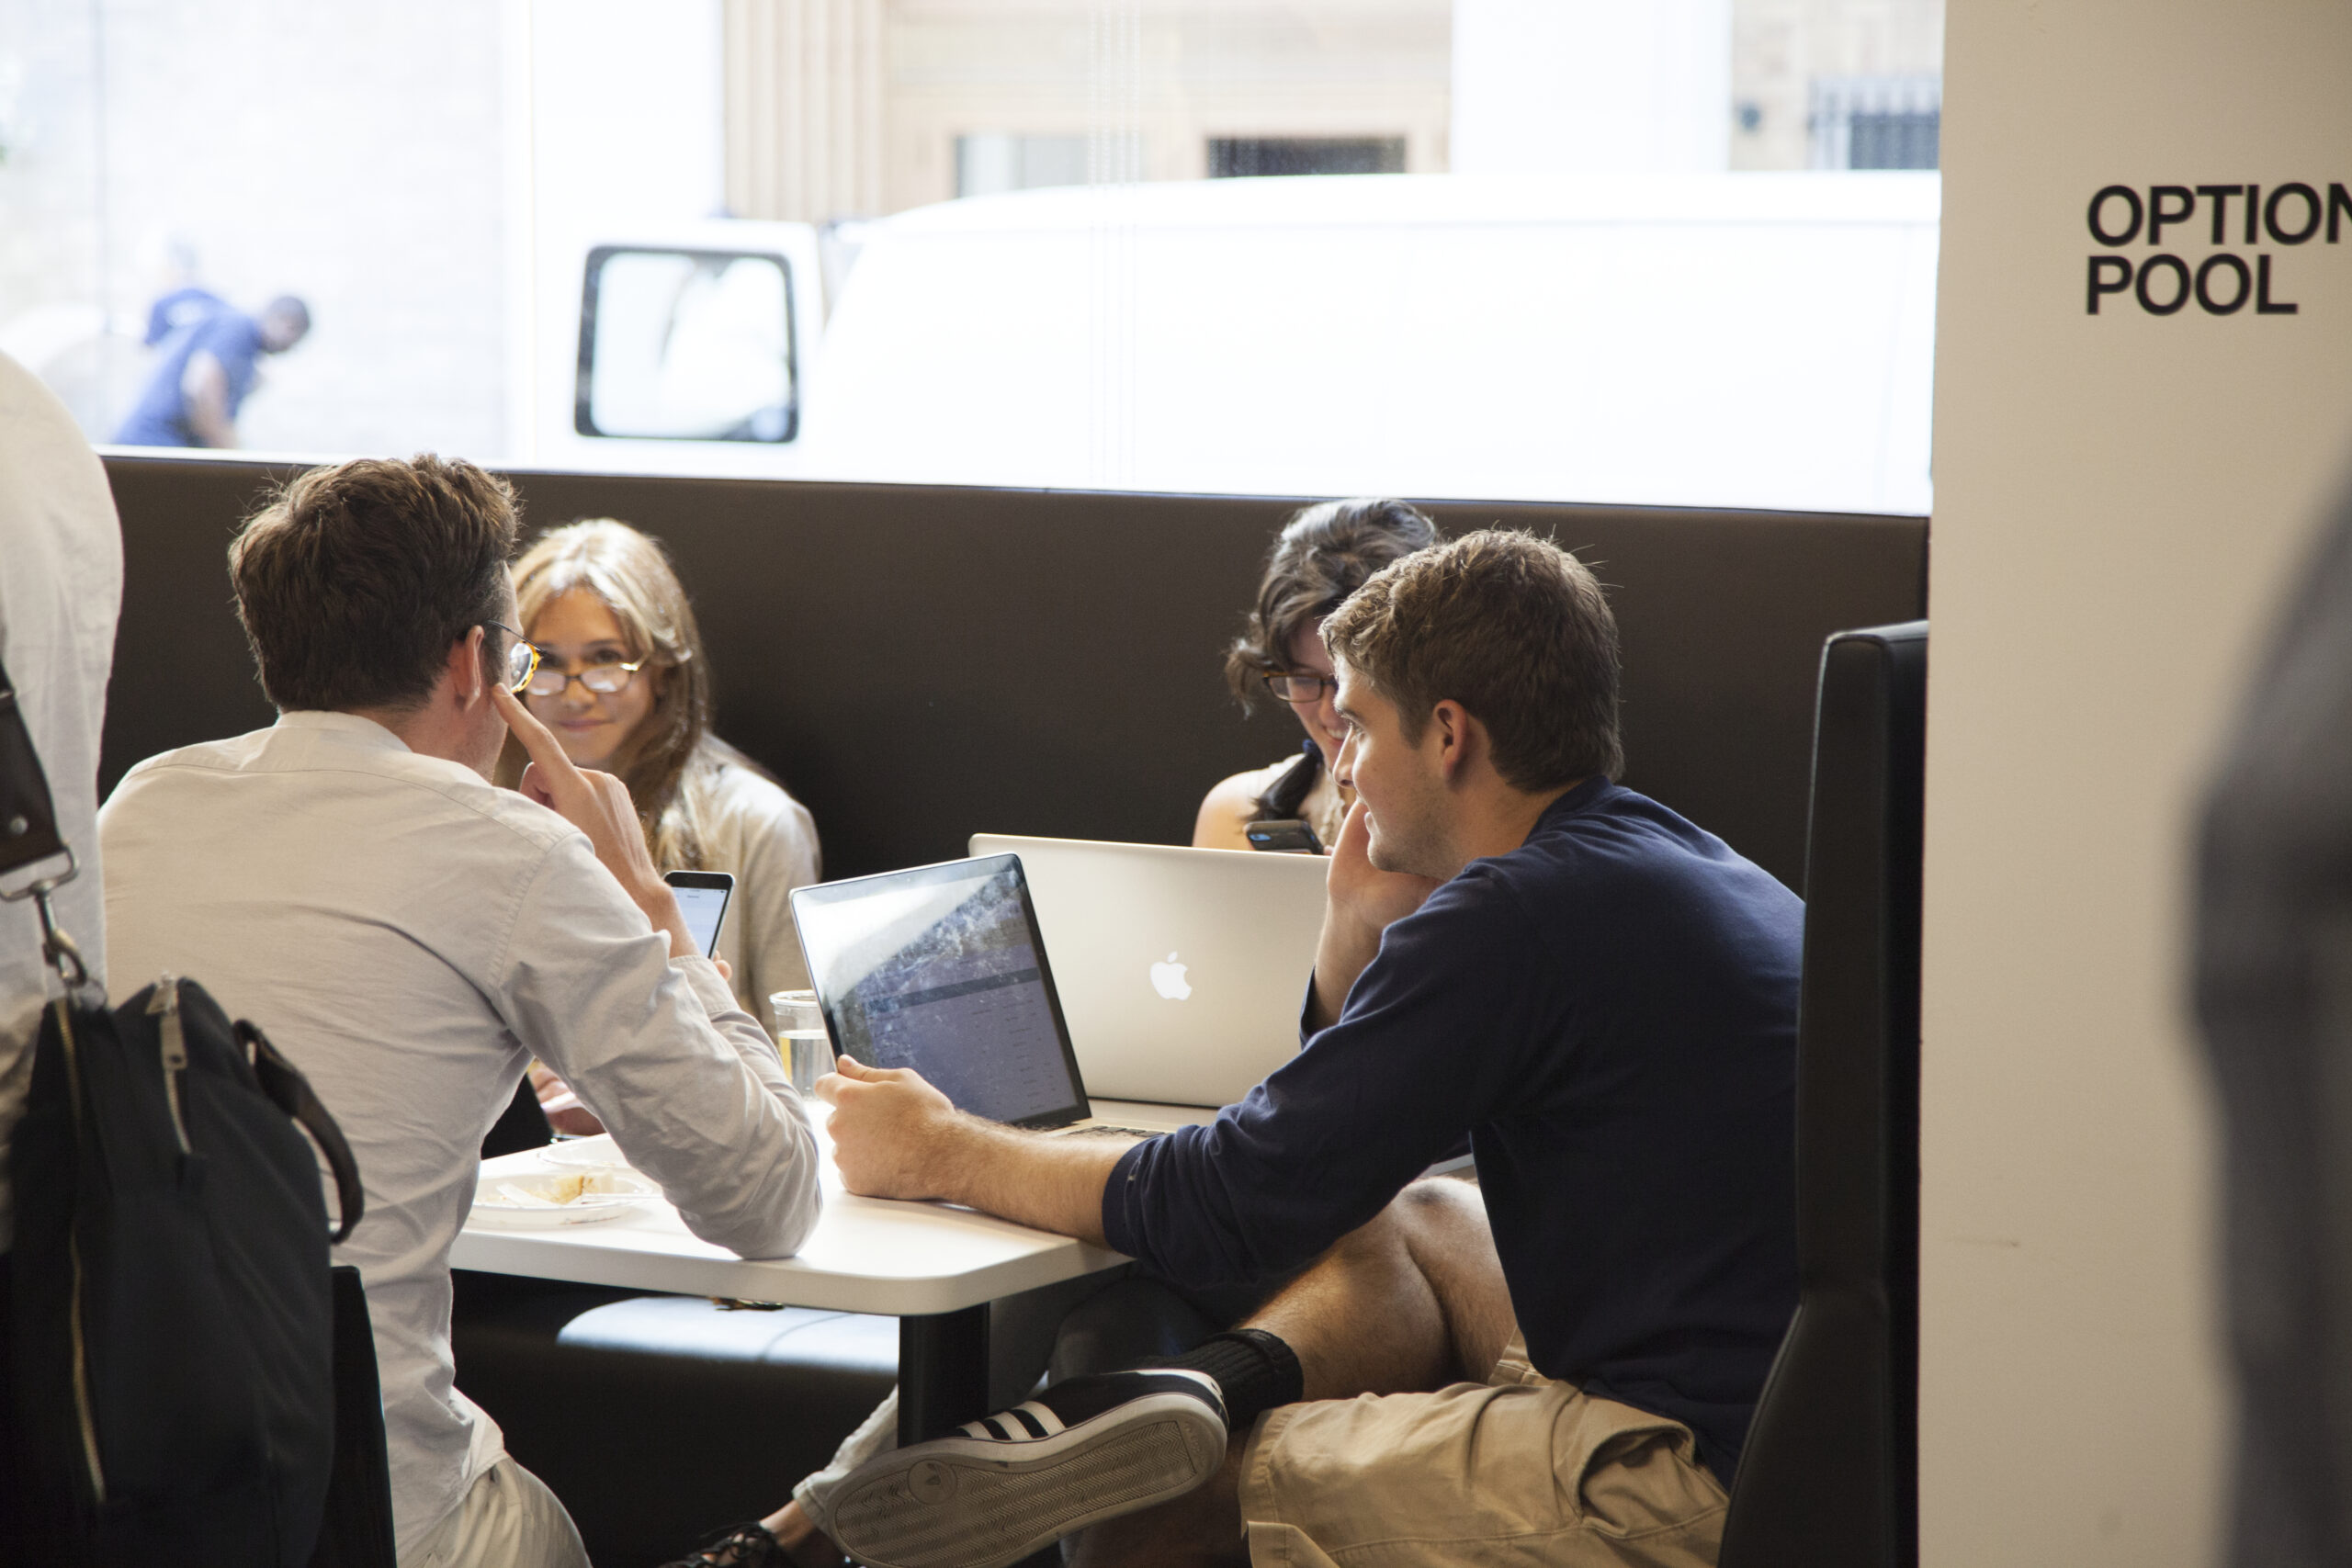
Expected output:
(597, 1152)
(536, 1202)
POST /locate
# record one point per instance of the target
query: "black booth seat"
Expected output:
(1829, 1476)
(914, 704)
(658, 1419)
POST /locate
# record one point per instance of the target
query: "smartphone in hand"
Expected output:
(702, 898)
(1284, 835)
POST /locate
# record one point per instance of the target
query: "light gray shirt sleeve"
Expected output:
(689, 1085)
(60, 588)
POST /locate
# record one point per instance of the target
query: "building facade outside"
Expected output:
(1801, 68)
(410, 169)
(862, 107)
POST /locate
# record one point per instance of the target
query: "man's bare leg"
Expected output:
(1411, 1302)
(1425, 1271)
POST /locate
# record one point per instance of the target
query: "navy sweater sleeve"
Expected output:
(1323, 1145)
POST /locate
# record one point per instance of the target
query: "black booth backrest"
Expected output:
(1829, 1478)
(921, 663)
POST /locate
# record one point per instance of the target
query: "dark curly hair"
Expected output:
(1324, 553)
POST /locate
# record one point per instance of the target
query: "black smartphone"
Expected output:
(702, 898)
(1284, 835)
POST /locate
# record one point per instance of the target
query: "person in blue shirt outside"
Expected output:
(1556, 1364)
(207, 369)
(183, 307)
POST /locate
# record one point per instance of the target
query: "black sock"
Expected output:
(1254, 1371)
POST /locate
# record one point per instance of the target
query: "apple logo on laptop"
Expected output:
(1169, 980)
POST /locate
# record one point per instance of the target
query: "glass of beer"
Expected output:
(801, 1037)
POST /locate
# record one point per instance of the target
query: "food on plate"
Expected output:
(568, 1187)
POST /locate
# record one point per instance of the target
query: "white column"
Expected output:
(1551, 87)
(2124, 506)
(804, 108)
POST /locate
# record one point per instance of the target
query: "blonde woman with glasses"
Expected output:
(622, 684)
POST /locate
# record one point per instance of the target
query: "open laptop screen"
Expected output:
(941, 969)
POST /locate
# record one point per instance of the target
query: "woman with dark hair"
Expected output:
(1323, 554)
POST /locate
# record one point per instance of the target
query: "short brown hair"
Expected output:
(353, 580)
(1512, 628)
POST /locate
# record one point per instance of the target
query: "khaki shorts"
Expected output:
(1519, 1470)
(507, 1519)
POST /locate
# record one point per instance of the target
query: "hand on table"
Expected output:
(598, 805)
(886, 1121)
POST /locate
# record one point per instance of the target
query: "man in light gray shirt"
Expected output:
(60, 588)
(412, 937)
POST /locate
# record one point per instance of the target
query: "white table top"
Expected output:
(871, 1255)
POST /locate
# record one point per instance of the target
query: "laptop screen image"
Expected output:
(941, 969)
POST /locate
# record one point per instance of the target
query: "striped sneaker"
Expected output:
(1086, 1450)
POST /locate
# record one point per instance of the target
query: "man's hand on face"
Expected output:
(1373, 898)
(1361, 902)
(886, 1122)
(598, 805)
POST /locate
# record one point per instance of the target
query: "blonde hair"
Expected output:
(671, 762)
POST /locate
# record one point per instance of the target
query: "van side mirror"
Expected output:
(686, 345)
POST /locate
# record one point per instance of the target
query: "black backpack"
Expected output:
(174, 1318)
(174, 1356)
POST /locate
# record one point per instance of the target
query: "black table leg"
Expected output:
(942, 1372)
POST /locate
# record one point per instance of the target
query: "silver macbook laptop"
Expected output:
(942, 968)
(1181, 970)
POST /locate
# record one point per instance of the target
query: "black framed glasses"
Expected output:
(604, 677)
(522, 659)
(1301, 690)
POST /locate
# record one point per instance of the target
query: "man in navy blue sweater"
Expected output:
(1599, 995)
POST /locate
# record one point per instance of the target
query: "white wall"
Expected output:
(1549, 86)
(2120, 499)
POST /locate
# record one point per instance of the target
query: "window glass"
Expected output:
(1246, 157)
(989, 163)
(1679, 253)
(1876, 122)
(686, 345)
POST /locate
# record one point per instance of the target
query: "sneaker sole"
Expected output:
(965, 1503)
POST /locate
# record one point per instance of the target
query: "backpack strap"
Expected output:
(28, 816)
(28, 835)
(291, 1092)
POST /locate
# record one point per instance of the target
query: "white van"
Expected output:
(1750, 340)
(690, 351)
